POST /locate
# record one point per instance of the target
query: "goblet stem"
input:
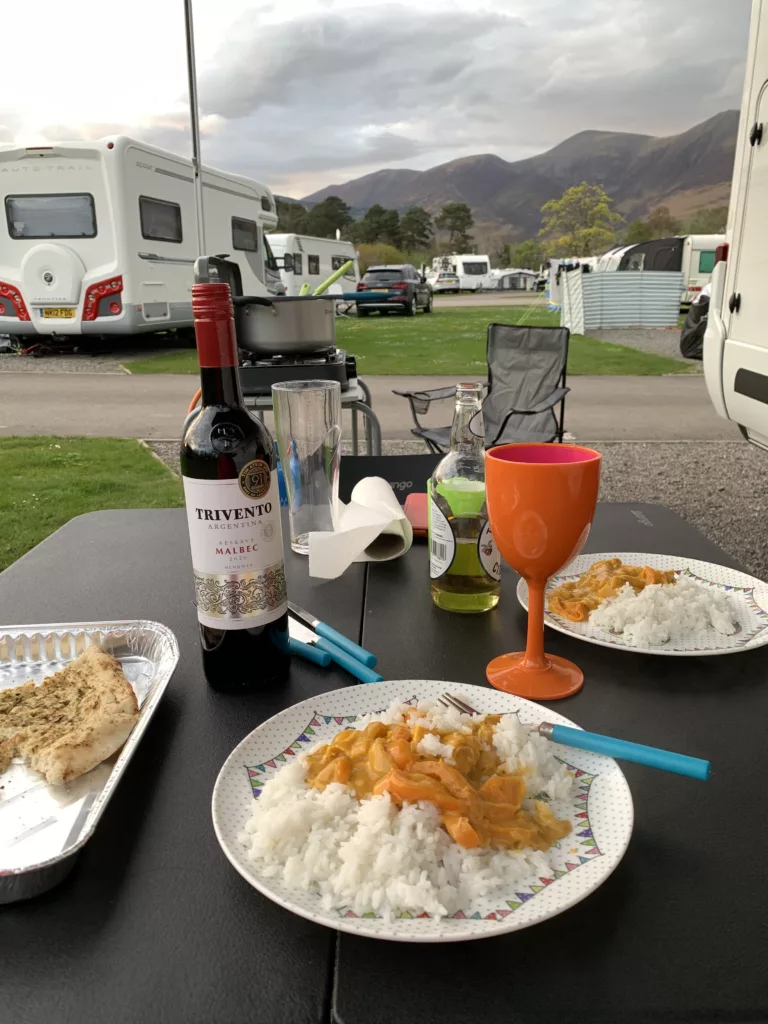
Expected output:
(534, 648)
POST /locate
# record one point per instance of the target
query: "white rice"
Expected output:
(368, 856)
(431, 746)
(662, 612)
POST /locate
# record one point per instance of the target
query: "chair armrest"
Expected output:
(420, 400)
(431, 395)
(546, 403)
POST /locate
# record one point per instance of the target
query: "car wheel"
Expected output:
(428, 307)
(362, 312)
(410, 309)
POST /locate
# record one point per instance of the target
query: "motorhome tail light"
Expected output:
(115, 307)
(36, 149)
(98, 291)
(12, 294)
(110, 145)
(721, 253)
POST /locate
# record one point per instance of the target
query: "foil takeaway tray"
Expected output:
(43, 827)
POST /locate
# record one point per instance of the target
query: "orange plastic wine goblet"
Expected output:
(541, 502)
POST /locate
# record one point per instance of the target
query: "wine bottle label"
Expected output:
(237, 548)
(488, 553)
(442, 543)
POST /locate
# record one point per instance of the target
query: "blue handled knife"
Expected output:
(309, 652)
(328, 633)
(308, 638)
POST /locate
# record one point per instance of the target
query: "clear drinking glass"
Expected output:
(308, 427)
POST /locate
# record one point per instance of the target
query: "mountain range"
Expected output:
(686, 172)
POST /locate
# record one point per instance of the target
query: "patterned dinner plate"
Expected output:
(599, 808)
(748, 598)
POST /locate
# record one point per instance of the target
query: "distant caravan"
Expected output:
(473, 271)
(102, 239)
(303, 259)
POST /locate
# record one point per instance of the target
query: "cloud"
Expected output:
(316, 98)
(326, 90)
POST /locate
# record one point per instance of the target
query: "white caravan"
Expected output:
(736, 340)
(473, 271)
(100, 237)
(698, 263)
(513, 279)
(302, 259)
(694, 255)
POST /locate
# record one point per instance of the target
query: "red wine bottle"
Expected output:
(228, 466)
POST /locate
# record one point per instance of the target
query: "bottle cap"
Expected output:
(212, 301)
(214, 324)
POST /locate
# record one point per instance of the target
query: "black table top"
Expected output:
(154, 925)
(678, 932)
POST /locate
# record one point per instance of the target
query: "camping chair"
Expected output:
(526, 382)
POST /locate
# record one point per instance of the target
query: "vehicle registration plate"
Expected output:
(384, 290)
(59, 313)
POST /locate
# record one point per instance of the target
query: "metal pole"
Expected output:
(194, 116)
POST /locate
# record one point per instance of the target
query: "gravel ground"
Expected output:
(102, 358)
(10, 362)
(662, 341)
(721, 487)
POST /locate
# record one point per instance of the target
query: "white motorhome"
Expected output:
(473, 271)
(100, 237)
(302, 259)
(736, 340)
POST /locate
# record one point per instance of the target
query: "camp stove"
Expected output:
(258, 375)
(280, 337)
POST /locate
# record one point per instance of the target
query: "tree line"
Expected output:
(582, 222)
(383, 234)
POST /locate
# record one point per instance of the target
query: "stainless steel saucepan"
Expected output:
(285, 324)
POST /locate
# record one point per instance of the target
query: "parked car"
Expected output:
(397, 286)
(445, 281)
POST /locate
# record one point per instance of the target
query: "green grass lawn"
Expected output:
(449, 341)
(48, 480)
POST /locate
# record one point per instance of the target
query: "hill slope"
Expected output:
(687, 172)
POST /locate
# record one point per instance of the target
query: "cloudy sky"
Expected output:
(306, 93)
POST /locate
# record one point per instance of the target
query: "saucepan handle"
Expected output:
(251, 300)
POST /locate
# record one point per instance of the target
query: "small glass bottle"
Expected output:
(464, 563)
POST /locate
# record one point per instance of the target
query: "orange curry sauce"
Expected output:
(574, 601)
(479, 805)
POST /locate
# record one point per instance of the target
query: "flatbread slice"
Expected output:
(73, 721)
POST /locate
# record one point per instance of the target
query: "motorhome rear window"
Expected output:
(313, 264)
(160, 220)
(475, 269)
(51, 216)
(287, 262)
(297, 263)
(706, 261)
(245, 234)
